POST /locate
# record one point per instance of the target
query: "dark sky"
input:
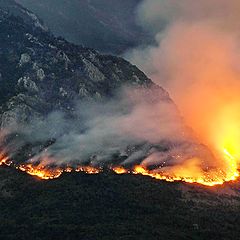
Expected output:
(106, 25)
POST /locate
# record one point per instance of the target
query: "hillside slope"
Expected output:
(40, 73)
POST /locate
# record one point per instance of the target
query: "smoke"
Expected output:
(221, 13)
(196, 58)
(137, 126)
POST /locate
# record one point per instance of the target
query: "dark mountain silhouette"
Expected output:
(89, 22)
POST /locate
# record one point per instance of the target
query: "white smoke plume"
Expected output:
(196, 58)
(139, 125)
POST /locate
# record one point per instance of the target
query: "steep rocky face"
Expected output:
(106, 25)
(40, 73)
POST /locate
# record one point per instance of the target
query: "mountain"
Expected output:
(111, 29)
(40, 73)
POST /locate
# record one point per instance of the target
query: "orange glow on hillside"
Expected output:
(186, 173)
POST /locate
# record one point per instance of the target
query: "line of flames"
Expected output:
(43, 172)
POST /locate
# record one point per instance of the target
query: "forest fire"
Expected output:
(48, 173)
(4, 160)
(45, 172)
(207, 178)
(223, 167)
(40, 172)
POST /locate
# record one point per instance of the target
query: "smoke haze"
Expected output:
(196, 58)
(137, 126)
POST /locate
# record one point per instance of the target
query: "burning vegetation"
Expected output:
(197, 59)
(149, 139)
(186, 173)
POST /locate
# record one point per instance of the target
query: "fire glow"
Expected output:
(218, 127)
(207, 178)
(47, 173)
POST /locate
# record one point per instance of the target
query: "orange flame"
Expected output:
(40, 172)
(46, 173)
(4, 160)
(188, 172)
(120, 170)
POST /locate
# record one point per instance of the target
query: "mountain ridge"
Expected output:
(35, 59)
(113, 29)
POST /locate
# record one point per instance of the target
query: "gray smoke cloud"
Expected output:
(137, 126)
(196, 58)
(165, 18)
(155, 14)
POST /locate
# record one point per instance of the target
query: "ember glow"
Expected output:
(196, 58)
(47, 173)
(41, 172)
(4, 160)
(186, 173)
(222, 168)
(216, 124)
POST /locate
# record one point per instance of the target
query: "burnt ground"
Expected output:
(109, 206)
